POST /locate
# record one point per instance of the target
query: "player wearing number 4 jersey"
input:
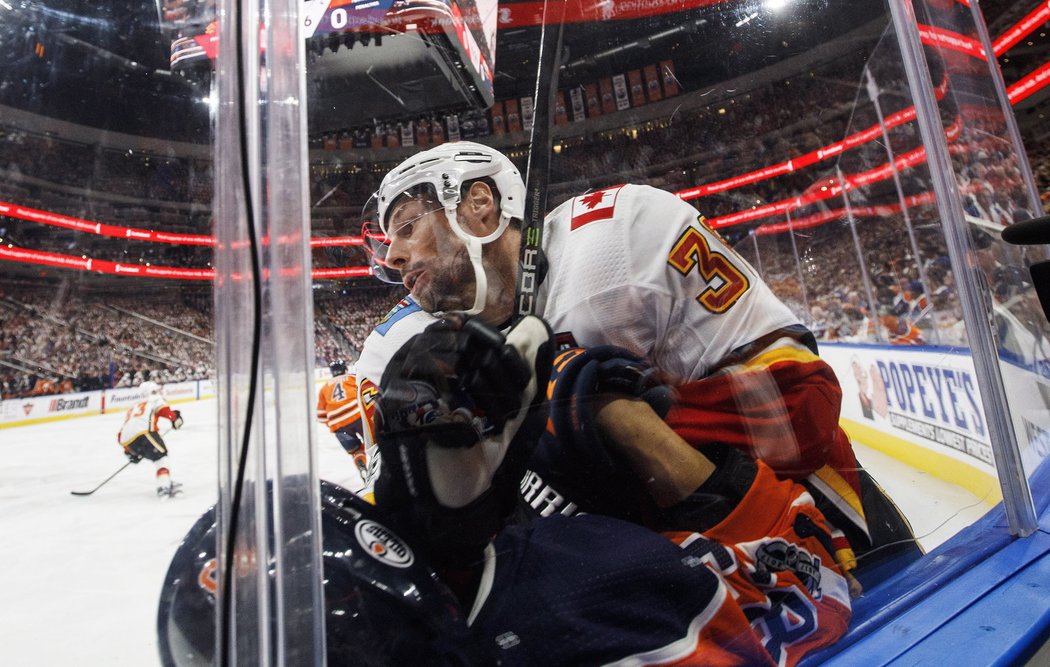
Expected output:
(141, 439)
(636, 268)
(337, 408)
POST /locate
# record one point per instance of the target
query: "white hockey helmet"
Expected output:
(445, 169)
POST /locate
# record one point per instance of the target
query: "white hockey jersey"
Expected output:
(631, 266)
(141, 418)
(635, 267)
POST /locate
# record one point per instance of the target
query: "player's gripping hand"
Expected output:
(459, 413)
(132, 456)
(581, 376)
(177, 422)
(468, 388)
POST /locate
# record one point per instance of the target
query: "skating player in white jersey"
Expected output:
(633, 267)
(141, 439)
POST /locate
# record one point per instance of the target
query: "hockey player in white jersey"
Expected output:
(633, 267)
(141, 438)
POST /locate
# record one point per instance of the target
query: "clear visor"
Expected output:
(378, 235)
(377, 243)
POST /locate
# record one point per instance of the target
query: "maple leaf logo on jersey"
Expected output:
(594, 206)
(592, 200)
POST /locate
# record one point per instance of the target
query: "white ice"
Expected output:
(81, 576)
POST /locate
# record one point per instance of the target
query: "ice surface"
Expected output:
(81, 576)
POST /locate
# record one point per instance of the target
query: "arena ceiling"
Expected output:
(106, 64)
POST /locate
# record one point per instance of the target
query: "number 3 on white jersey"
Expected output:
(725, 282)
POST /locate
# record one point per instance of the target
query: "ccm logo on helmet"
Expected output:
(383, 545)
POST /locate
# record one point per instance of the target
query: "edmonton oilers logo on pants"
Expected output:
(382, 544)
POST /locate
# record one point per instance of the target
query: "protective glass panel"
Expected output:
(790, 132)
(753, 139)
(781, 200)
(270, 607)
(990, 170)
(107, 314)
(135, 305)
(873, 264)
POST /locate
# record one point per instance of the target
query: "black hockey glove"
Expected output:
(177, 422)
(579, 377)
(132, 456)
(459, 413)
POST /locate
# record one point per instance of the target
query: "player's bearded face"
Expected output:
(433, 261)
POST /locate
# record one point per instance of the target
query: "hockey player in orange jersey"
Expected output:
(337, 407)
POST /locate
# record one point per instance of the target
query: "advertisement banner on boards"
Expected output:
(122, 398)
(205, 389)
(924, 396)
(44, 408)
(180, 391)
(929, 396)
(36, 409)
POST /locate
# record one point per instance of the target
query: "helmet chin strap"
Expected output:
(474, 245)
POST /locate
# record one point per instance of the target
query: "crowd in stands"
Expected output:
(916, 302)
(755, 129)
(59, 340)
(352, 314)
(55, 339)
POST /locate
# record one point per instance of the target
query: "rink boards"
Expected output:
(39, 409)
(923, 407)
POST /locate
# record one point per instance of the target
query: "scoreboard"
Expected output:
(443, 49)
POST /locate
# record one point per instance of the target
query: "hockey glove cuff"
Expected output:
(718, 496)
(177, 422)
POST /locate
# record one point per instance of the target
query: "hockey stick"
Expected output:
(88, 493)
(537, 171)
